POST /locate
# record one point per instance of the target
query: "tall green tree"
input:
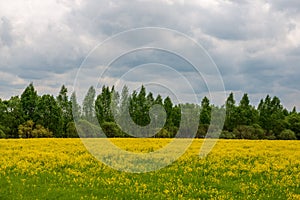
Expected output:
(293, 123)
(176, 117)
(49, 115)
(143, 107)
(230, 118)
(168, 105)
(271, 115)
(158, 100)
(189, 120)
(88, 106)
(12, 116)
(246, 113)
(124, 118)
(2, 119)
(65, 106)
(76, 109)
(29, 99)
(104, 105)
(139, 108)
(205, 112)
(124, 103)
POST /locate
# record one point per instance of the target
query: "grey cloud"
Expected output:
(247, 40)
(5, 32)
(243, 22)
(111, 17)
(290, 6)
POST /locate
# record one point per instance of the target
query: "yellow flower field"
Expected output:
(235, 169)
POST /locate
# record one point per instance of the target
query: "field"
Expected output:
(235, 169)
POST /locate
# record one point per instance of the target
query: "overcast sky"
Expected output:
(255, 44)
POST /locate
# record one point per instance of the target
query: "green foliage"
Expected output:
(163, 133)
(287, 134)
(246, 114)
(75, 107)
(227, 135)
(29, 99)
(88, 106)
(114, 112)
(139, 107)
(65, 107)
(11, 116)
(189, 120)
(30, 130)
(50, 115)
(103, 105)
(293, 121)
(271, 112)
(248, 132)
(71, 131)
(25, 130)
(205, 113)
(176, 116)
(111, 129)
(2, 133)
(168, 105)
(202, 130)
(230, 118)
(86, 129)
(41, 132)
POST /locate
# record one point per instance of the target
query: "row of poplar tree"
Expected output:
(31, 116)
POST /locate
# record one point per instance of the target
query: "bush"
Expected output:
(244, 132)
(202, 130)
(173, 130)
(271, 137)
(227, 135)
(2, 134)
(41, 132)
(25, 130)
(258, 131)
(88, 130)
(163, 133)
(111, 129)
(249, 132)
(71, 131)
(287, 134)
(30, 130)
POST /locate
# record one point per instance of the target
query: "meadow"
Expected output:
(234, 169)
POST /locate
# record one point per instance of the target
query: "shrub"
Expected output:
(258, 131)
(30, 130)
(71, 131)
(88, 130)
(163, 133)
(25, 130)
(111, 129)
(41, 132)
(249, 132)
(227, 135)
(2, 134)
(244, 132)
(287, 134)
(202, 130)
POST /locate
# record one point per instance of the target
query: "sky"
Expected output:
(255, 45)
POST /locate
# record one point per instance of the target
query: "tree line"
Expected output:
(32, 116)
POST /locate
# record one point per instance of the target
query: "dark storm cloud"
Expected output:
(255, 44)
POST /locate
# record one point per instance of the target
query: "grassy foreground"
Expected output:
(235, 169)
